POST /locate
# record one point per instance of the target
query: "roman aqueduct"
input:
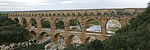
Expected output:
(82, 16)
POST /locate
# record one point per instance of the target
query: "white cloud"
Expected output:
(6, 5)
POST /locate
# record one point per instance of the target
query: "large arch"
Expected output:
(73, 39)
(89, 39)
(33, 22)
(93, 25)
(32, 34)
(16, 20)
(43, 35)
(24, 22)
(58, 37)
(112, 26)
(59, 24)
(45, 23)
(74, 25)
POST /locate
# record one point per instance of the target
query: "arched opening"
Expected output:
(33, 22)
(43, 35)
(45, 23)
(93, 26)
(74, 39)
(59, 24)
(16, 20)
(32, 34)
(89, 39)
(75, 25)
(59, 38)
(24, 22)
(112, 26)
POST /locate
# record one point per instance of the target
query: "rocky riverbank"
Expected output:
(18, 45)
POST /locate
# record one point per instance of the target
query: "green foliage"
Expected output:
(34, 47)
(91, 22)
(135, 36)
(74, 22)
(11, 32)
(60, 25)
(94, 45)
(46, 24)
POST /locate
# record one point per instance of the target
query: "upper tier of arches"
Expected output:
(95, 12)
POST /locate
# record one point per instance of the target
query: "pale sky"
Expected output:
(23, 5)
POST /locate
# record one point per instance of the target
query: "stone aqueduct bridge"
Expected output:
(101, 15)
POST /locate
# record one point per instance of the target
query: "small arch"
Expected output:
(119, 13)
(73, 14)
(92, 14)
(85, 14)
(112, 13)
(79, 14)
(127, 13)
(68, 14)
(106, 14)
(99, 14)
(58, 14)
(135, 13)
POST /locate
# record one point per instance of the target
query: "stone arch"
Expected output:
(89, 39)
(73, 39)
(32, 34)
(59, 24)
(58, 37)
(16, 20)
(74, 25)
(45, 23)
(127, 13)
(93, 25)
(112, 25)
(43, 35)
(33, 22)
(112, 13)
(24, 22)
(120, 13)
(106, 14)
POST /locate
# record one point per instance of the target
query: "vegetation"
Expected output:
(135, 36)
(34, 47)
(10, 31)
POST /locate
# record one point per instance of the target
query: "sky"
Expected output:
(26, 5)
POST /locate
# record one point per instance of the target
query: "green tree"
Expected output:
(11, 32)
